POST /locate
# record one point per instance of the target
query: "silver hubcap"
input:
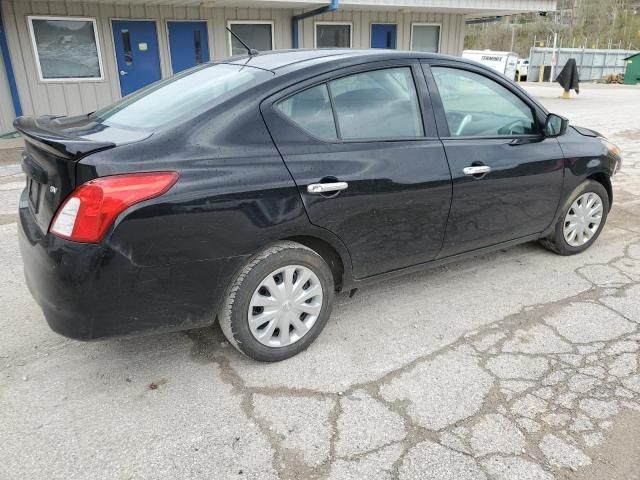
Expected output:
(583, 219)
(285, 306)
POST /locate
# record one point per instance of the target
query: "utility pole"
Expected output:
(554, 57)
(513, 37)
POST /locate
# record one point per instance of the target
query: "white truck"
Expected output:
(523, 69)
(505, 63)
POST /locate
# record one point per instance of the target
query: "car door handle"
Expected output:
(476, 170)
(327, 187)
(123, 73)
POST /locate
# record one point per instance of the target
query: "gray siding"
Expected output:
(451, 31)
(67, 98)
(6, 104)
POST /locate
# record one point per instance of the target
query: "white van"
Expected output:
(505, 63)
(523, 68)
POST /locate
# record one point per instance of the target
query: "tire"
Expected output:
(556, 241)
(237, 309)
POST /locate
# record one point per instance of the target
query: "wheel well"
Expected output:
(327, 252)
(605, 181)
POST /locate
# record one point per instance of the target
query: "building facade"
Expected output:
(74, 57)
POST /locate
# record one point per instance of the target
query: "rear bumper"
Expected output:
(89, 291)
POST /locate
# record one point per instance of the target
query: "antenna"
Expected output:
(250, 51)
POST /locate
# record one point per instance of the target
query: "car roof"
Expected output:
(274, 60)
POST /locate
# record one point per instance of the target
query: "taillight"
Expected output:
(89, 211)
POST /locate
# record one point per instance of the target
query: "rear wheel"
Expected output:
(278, 303)
(581, 220)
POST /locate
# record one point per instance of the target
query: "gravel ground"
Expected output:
(516, 365)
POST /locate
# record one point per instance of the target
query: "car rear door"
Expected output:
(361, 145)
(507, 177)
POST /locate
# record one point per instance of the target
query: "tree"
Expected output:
(579, 23)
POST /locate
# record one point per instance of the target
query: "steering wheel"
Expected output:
(509, 127)
(463, 123)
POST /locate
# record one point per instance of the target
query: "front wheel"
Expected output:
(581, 220)
(278, 303)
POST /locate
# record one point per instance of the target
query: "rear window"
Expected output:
(187, 93)
(311, 109)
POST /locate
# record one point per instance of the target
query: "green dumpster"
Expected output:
(632, 72)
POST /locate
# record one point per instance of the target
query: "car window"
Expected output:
(311, 110)
(184, 94)
(477, 106)
(377, 104)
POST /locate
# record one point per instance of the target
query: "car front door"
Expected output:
(362, 148)
(507, 177)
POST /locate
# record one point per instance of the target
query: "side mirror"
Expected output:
(555, 125)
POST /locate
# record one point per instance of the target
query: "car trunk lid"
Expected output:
(53, 147)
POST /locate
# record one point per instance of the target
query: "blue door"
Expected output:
(136, 45)
(383, 35)
(188, 44)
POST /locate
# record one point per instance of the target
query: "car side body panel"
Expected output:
(586, 157)
(166, 263)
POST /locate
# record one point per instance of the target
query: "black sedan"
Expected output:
(251, 190)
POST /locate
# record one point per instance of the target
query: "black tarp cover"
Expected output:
(568, 77)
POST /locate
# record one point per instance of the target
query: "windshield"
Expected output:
(189, 92)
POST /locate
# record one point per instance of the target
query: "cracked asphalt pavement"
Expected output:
(520, 365)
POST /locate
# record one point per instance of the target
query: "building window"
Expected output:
(256, 34)
(425, 37)
(66, 48)
(333, 35)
